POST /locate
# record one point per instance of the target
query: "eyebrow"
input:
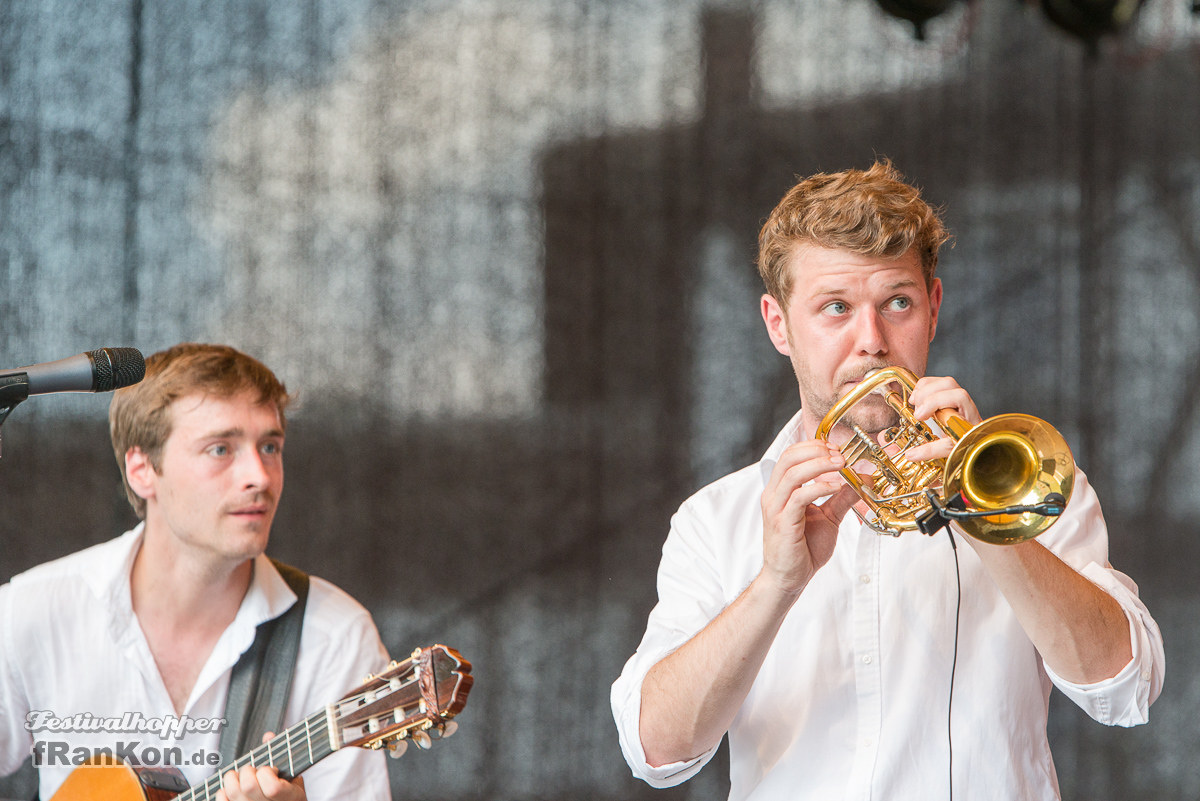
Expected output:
(238, 432)
(906, 283)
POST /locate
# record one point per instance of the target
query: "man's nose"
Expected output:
(252, 472)
(869, 330)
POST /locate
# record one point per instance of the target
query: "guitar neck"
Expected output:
(291, 753)
(413, 698)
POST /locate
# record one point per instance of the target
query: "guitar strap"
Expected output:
(262, 678)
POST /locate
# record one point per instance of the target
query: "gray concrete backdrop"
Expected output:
(502, 250)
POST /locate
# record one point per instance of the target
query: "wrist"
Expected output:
(773, 589)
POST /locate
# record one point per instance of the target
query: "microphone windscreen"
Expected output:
(117, 367)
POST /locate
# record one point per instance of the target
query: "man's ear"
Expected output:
(935, 303)
(776, 323)
(140, 473)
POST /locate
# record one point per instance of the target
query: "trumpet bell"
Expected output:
(1005, 461)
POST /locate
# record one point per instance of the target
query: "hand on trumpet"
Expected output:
(930, 395)
(798, 533)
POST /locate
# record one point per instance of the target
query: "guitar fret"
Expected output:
(308, 739)
(274, 757)
(287, 735)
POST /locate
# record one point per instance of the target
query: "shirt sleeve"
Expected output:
(1080, 539)
(346, 650)
(689, 597)
(1123, 700)
(15, 739)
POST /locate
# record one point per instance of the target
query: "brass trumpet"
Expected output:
(1006, 480)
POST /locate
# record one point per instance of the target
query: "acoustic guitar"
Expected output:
(411, 701)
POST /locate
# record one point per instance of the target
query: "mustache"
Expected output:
(860, 372)
(249, 501)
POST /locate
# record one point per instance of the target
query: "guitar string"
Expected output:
(271, 751)
(276, 748)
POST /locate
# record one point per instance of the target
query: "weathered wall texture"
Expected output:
(502, 251)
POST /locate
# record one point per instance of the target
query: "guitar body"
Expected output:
(106, 779)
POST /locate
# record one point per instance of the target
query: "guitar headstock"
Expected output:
(412, 700)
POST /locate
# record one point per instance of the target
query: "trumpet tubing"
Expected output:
(1006, 463)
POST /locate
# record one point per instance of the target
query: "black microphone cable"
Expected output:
(941, 514)
(953, 663)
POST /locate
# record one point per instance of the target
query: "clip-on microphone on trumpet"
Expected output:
(940, 514)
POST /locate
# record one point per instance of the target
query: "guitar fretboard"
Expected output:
(291, 753)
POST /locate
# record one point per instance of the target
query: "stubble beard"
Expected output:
(252, 533)
(871, 414)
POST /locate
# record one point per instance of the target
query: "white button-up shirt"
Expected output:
(853, 699)
(72, 653)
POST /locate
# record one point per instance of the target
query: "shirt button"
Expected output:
(864, 578)
(867, 659)
(1145, 675)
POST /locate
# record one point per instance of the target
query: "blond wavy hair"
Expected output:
(872, 212)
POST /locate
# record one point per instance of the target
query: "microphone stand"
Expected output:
(13, 390)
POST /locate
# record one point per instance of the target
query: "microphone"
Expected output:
(940, 514)
(100, 370)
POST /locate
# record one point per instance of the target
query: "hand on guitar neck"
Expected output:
(260, 784)
(413, 700)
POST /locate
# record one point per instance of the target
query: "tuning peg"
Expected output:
(422, 739)
(396, 748)
(448, 728)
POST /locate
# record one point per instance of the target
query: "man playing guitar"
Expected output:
(129, 645)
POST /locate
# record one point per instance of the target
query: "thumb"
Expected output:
(840, 503)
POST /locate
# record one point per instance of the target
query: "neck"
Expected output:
(808, 426)
(183, 606)
(177, 586)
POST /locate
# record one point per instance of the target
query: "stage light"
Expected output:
(918, 12)
(1091, 19)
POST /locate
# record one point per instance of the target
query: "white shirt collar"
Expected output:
(792, 433)
(267, 597)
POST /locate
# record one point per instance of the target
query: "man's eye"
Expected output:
(219, 450)
(272, 448)
(901, 303)
(837, 308)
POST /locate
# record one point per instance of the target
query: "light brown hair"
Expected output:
(871, 212)
(140, 415)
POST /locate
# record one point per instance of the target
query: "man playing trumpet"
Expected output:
(841, 663)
